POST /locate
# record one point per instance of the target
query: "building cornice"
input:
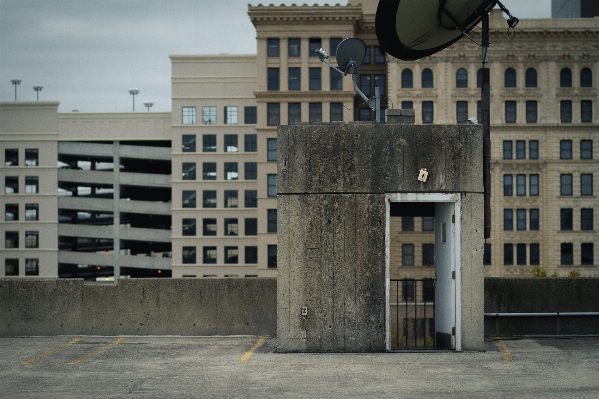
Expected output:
(295, 96)
(272, 14)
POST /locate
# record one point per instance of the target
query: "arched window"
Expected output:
(427, 78)
(586, 77)
(510, 77)
(565, 77)
(461, 78)
(531, 77)
(479, 78)
(407, 79)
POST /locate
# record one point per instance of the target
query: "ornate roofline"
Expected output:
(266, 14)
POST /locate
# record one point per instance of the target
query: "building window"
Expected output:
(336, 80)
(586, 219)
(531, 112)
(231, 199)
(566, 222)
(367, 56)
(209, 115)
(272, 47)
(407, 255)
(508, 219)
(534, 185)
(565, 149)
(379, 81)
(208, 171)
(32, 239)
(11, 157)
(586, 184)
(250, 115)
(209, 227)
(507, 149)
(314, 113)
(273, 114)
(510, 77)
(271, 150)
(533, 149)
(336, 112)
(508, 254)
(461, 78)
(294, 113)
(231, 115)
(209, 143)
(586, 77)
(209, 255)
(566, 184)
(272, 220)
(407, 223)
(250, 171)
(508, 185)
(428, 254)
(31, 157)
(231, 227)
(428, 223)
(510, 112)
(250, 142)
(11, 267)
(251, 255)
(535, 255)
(487, 255)
(272, 256)
(427, 78)
(251, 227)
(365, 85)
(566, 111)
(188, 143)
(31, 185)
(407, 289)
(521, 219)
(231, 143)
(520, 185)
(379, 55)
(294, 79)
(586, 254)
(407, 79)
(565, 77)
(534, 219)
(461, 111)
(11, 239)
(407, 105)
(364, 114)
(315, 75)
(271, 185)
(567, 254)
(188, 227)
(294, 47)
(586, 111)
(428, 112)
(231, 172)
(531, 77)
(188, 115)
(11, 212)
(333, 44)
(520, 149)
(273, 79)
(208, 199)
(521, 254)
(586, 149)
(315, 45)
(32, 267)
(251, 199)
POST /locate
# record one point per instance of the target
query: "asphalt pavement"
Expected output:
(250, 367)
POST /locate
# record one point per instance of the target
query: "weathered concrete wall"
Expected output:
(332, 181)
(541, 295)
(138, 307)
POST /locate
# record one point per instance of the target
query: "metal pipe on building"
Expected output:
(486, 122)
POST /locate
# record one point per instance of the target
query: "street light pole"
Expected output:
(133, 92)
(37, 91)
(149, 105)
(16, 82)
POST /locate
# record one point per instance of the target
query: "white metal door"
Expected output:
(445, 296)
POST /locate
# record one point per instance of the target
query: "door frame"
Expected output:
(456, 199)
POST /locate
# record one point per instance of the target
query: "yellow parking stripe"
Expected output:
(507, 356)
(244, 359)
(102, 349)
(65, 346)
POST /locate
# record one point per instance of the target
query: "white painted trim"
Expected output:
(387, 273)
(458, 273)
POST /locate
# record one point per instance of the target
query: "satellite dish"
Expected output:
(351, 49)
(412, 29)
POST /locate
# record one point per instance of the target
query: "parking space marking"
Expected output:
(505, 351)
(65, 346)
(244, 359)
(94, 353)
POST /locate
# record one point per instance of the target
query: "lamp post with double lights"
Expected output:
(37, 89)
(149, 105)
(16, 82)
(133, 92)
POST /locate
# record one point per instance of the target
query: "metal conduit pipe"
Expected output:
(549, 314)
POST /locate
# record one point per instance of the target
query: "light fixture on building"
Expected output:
(133, 92)
(149, 105)
(37, 89)
(16, 82)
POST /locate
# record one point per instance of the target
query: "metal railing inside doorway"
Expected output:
(412, 310)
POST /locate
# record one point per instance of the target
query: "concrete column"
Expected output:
(116, 209)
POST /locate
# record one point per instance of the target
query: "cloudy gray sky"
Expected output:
(88, 53)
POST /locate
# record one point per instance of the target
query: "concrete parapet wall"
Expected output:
(138, 307)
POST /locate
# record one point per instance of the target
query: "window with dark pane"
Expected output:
(231, 199)
(565, 149)
(271, 225)
(508, 219)
(250, 143)
(188, 227)
(510, 77)
(188, 143)
(407, 79)
(510, 112)
(294, 113)
(534, 219)
(567, 254)
(250, 170)
(586, 219)
(272, 47)
(586, 77)
(427, 78)
(294, 77)
(565, 77)
(508, 254)
(294, 47)
(209, 143)
(461, 78)
(208, 199)
(314, 113)
(565, 111)
(250, 115)
(209, 227)
(531, 77)
(208, 171)
(566, 219)
(521, 254)
(251, 226)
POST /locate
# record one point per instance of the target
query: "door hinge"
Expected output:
(453, 275)
(452, 218)
(452, 330)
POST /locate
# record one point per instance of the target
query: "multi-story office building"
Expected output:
(222, 138)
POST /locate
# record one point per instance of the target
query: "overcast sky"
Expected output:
(88, 53)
